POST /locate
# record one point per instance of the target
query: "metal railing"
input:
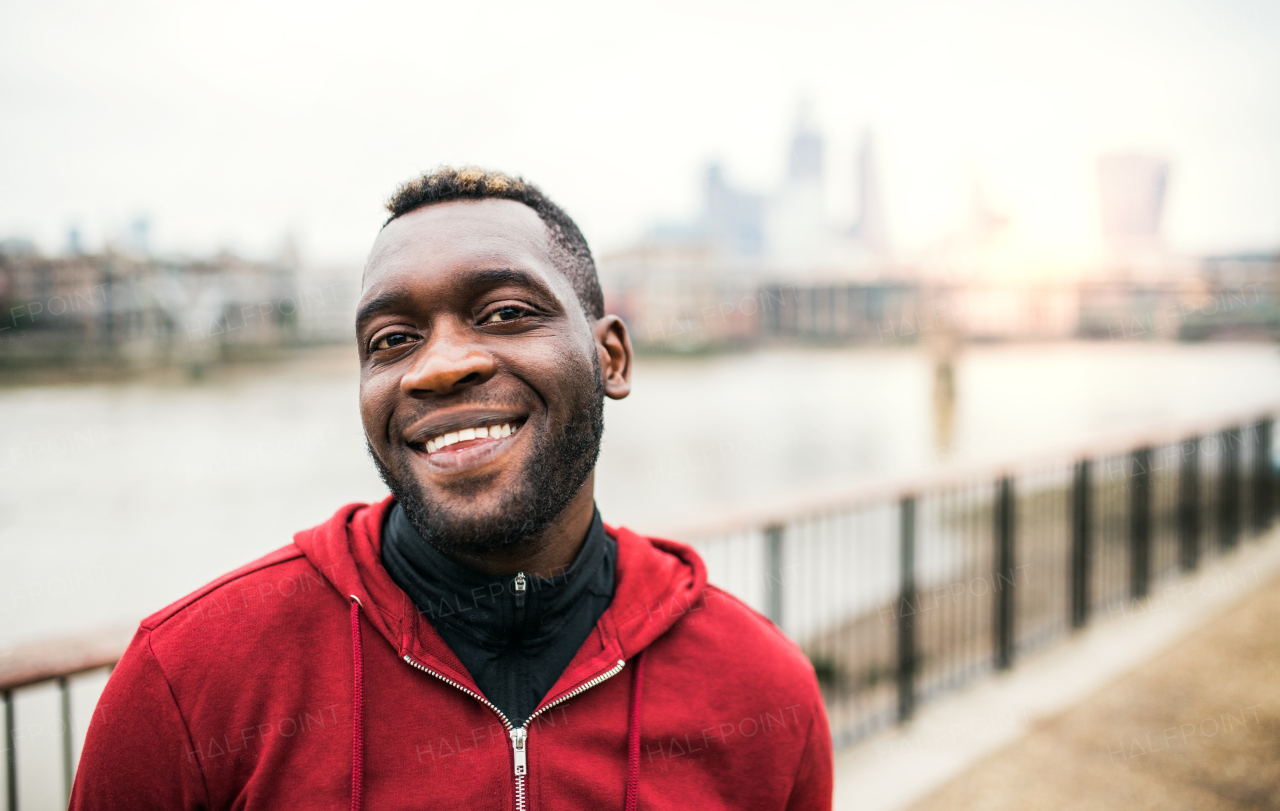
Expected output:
(903, 591)
(60, 663)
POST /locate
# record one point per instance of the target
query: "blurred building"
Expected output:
(1231, 297)
(760, 267)
(1131, 200)
(1240, 298)
(754, 266)
(732, 221)
(134, 310)
(798, 237)
(872, 227)
(1131, 195)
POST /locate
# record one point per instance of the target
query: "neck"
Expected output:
(550, 554)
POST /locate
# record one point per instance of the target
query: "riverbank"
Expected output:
(251, 362)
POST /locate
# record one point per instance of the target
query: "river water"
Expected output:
(116, 499)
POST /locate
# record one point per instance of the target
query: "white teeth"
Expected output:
(483, 432)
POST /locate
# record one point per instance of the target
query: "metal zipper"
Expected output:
(520, 585)
(471, 693)
(520, 734)
(520, 755)
(581, 688)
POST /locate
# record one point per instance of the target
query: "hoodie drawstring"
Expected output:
(357, 710)
(633, 738)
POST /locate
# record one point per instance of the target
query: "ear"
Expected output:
(613, 346)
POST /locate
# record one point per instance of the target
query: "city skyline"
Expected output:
(236, 125)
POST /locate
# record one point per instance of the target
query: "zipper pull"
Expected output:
(518, 737)
(520, 585)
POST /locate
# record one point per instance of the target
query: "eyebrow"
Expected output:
(381, 303)
(400, 298)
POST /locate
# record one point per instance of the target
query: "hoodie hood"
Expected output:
(657, 581)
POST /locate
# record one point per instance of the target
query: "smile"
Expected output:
(470, 437)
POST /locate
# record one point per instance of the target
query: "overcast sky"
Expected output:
(231, 124)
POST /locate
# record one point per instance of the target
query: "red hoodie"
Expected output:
(307, 679)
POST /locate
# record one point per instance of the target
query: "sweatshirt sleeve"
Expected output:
(813, 787)
(138, 753)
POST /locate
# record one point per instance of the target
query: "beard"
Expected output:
(558, 464)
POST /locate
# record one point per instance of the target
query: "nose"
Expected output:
(448, 362)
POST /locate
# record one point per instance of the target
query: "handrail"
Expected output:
(53, 660)
(894, 487)
(43, 661)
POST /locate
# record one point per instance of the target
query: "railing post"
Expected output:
(1140, 523)
(906, 611)
(1189, 505)
(11, 753)
(1263, 491)
(1081, 538)
(1229, 489)
(1003, 635)
(68, 775)
(773, 573)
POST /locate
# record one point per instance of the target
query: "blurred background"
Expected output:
(871, 254)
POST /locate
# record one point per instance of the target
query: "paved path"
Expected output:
(1120, 716)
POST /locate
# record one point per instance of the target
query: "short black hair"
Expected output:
(569, 248)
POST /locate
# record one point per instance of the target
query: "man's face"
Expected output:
(481, 387)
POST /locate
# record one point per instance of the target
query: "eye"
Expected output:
(504, 314)
(392, 340)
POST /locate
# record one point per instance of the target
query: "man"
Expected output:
(480, 639)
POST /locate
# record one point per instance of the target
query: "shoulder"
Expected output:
(728, 672)
(720, 634)
(273, 586)
(667, 604)
(277, 618)
(753, 633)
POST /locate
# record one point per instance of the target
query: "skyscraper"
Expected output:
(797, 234)
(733, 221)
(1131, 191)
(871, 229)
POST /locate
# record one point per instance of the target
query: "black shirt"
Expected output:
(514, 643)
